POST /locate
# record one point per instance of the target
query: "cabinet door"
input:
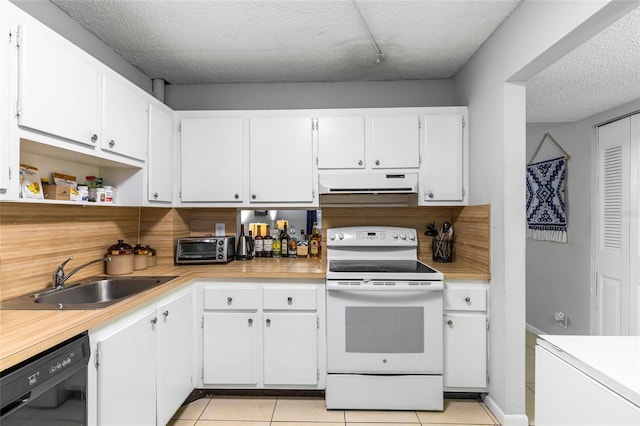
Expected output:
(341, 143)
(175, 360)
(127, 375)
(290, 349)
(465, 351)
(125, 119)
(443, 163)
(211, 159)
(395, 142)
(230, 348)
(58, 90)
(4, 99)
(161, 154)
(281, 151)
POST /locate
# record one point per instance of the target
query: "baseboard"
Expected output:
(535, 330)
(505, 419)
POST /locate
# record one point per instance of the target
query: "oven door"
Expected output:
(384, 329)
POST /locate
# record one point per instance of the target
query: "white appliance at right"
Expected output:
(384, 322)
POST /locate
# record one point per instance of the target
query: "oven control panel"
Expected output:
(372, 236)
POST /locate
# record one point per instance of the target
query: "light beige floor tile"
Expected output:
(381, 416)
(305, 410)
(489, 413)
(307, 424)
(177, 422)
(457, 412)
(383, 424)
(193, 410)
(531, 406)
(229, 423)
(255, 409)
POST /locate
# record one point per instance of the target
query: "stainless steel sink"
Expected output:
(91, 293)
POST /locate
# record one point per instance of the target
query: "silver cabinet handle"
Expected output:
(94, 138)
(236, 196)
(430, 195)
(467, 299)
(154, 320)
(155, 195)
(377, 162)
(165, 313)
(449, 322)
(250, 322)
(253, 196)
(290, 300)
(268, 322)
(360, 163)
(112, 143)
(229, 300)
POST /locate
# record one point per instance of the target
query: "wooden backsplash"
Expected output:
(36, 238)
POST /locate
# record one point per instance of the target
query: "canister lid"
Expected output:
(139, 249)
(120, 248)
(152, 251)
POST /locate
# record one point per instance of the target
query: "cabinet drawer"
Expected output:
(298, 299)
(465, 299)
(231, 298)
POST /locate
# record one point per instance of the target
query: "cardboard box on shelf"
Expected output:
(56, 192)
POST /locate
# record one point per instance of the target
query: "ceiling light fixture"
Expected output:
(379, 55)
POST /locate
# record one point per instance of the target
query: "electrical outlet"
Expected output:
(562, 319)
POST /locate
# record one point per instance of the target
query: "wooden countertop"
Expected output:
(24, 334)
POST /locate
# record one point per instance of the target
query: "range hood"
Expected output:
(368, 183)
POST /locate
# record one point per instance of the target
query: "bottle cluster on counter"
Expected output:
(273, 242)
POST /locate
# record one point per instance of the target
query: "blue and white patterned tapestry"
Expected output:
(546, 208)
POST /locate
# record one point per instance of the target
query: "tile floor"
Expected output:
(299, 411)
(530, 376)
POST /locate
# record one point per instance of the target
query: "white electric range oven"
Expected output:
(384, 322)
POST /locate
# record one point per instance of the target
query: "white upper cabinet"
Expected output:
(341, 142)
(212, 159)
(444, 164)
(124, 120)
(4, 100)
(395, 142)
(281, 160)
(161, 149)
(58, 89)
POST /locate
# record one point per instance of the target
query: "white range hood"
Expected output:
(368, 183)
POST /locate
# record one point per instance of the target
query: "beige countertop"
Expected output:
(24, 334)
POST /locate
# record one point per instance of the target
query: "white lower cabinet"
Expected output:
(263, 335)
(142, 369)
(465, 337)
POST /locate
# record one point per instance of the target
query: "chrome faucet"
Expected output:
(59, 277)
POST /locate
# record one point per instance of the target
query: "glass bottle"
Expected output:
(284, 242)
(293, 243)
(259, 242)
(315, 242)
(252, 252)
(276, 248)
(267, 243)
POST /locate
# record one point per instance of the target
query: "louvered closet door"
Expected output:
(612, 302)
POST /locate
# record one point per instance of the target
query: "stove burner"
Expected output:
(380, 266)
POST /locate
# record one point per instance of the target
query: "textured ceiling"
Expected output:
(601, 74)
(209, 41)
(245, 41)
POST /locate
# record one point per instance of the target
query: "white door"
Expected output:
(127, 375)
(4, 99)
(612, 300)
(341, 143)
(281, 151)
(634, 226)
(230, 348)
(125, 119)
(443, 162)
(395, 142)
(211, 159)
(58, 90)
(465, 350)
(161, 154)
(290, 349)
(175, 356)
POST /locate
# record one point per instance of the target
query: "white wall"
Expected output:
(559, 276)
(355, 94)
(50, 15)
(533, 37)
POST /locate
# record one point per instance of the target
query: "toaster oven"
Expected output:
(205, 250)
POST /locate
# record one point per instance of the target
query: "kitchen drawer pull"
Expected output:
(377, 162)
(250, 322)
(154, 320)
(268, 322)
(236, 196)
(94, 138)
(253, 196)
(430, 195)
(156, 195)
(359, 162)
(229, 300)
(112, 143)
(449, 322)
(290, 300)
(467, 299)
(165, 313)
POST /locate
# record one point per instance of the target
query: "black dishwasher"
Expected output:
(49, 388)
